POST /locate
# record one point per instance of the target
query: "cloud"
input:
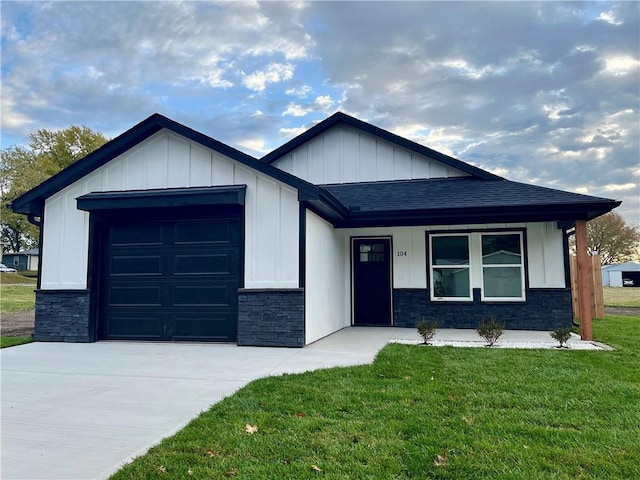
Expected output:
(543, 91)
(275, 72)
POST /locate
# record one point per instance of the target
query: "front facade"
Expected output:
(167, 234)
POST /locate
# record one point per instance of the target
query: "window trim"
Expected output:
(475, 236)
(521, 265)
(432, 266)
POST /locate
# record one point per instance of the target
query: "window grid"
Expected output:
(436, 270)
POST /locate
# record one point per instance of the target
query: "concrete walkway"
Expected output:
(79, 411)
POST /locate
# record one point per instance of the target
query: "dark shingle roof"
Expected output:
(466, 199)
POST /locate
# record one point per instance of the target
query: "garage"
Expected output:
(166, 272)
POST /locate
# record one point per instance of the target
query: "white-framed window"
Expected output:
(491, 261)
(450, 270)
(502, 266)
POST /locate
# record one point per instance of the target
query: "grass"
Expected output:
(621, 296)
(17, 298)
(13, 341)
(17, 278)
(426, 412)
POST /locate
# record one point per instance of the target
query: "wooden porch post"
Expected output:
(584, 280)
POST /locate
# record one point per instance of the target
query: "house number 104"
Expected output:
(401, 253)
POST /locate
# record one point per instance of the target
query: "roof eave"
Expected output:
(478, 215)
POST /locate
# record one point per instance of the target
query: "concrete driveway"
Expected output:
(79, 411)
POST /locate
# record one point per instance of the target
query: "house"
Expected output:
(21, 261)
(625, 274)
(167, 234)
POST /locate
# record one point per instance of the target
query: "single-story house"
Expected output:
(176, 236)
(625, 274)
(21, 261)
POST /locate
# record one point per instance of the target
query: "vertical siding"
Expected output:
(544, 248)
(344, 154)
(165, 161)
(326, 304)
(546, 260)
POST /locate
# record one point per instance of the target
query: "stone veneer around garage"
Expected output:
(271, 318)
(544, 309)
(62, 316)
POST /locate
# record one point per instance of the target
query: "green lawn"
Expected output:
(17, 278)
(621, 296)
(13, 341)
(426, 412)
(17, 298)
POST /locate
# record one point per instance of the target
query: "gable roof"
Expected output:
(462, 200)
(342, 118)
(32, 202)
(482, 197)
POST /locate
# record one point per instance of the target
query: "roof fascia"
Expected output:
(515, 214)
(340, 117)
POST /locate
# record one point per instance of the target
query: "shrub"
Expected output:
(491, 331)
(562, 335)
(427, 330)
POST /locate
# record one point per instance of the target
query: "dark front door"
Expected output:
(170, 278)
(372, 281)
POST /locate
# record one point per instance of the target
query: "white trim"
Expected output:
(476, 265)
(520, 265)
(431, 268)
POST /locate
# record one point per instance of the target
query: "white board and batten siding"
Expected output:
(167, 160)
(327, 304)
(344, 154)
(545, 258)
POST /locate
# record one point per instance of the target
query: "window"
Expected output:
(372, 253)
(502, 268)
(450, 268)
(491, 261)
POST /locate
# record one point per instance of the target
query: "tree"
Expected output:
(612, 238)
(22, 168)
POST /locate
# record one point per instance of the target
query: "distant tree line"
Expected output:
(24, 167)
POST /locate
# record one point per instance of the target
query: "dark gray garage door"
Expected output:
(170, 279)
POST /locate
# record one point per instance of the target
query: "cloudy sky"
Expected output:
(545, 93)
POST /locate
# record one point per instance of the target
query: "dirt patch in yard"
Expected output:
(624, 311)
(17, 324)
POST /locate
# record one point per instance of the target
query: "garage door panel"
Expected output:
(204, 232)
(135, 295)
(135, 325)
(122, 265)
(202, 264)
(135, 234)
(204, 295)
(196, 326)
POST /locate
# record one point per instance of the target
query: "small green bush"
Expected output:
(491, 331)
(562, 335)
(427, 330)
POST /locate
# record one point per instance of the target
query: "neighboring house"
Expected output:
(21, 261)
(625, 274)
(167, 234)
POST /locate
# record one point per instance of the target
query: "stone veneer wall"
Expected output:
(544, 309)
(271, 318)
(62, 316)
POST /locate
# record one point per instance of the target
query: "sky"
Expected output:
(545, 93)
